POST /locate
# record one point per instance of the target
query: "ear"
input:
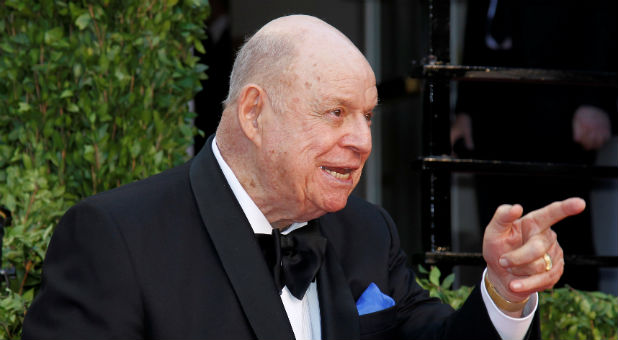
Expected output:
(249, 108)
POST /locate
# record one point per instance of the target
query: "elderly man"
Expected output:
(178, 255)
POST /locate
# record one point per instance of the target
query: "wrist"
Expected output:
(503, 303)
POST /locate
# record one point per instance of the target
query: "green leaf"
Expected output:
(89, 153)
(53, 35)
(448, 281)
(199, 47)
(27, 161)
(585, 306)
(28, 295)
(66, 94)
(24, 107)
(72, 107)
(7, 47)
(136, 148)
(434, 276)
(197, 3)
(121, 76)
(77, 70)
(83, 21)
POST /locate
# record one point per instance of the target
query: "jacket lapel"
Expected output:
(238, 250)
(339, 316)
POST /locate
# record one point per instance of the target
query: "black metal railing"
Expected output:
(436, 168)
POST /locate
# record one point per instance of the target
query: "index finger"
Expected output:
(555, 212)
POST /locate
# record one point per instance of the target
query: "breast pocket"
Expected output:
(379, 325)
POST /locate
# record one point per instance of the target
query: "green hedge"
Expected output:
(93, 94)
(566, 313)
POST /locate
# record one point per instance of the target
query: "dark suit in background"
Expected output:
(173, 256)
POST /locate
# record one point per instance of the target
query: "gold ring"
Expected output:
(548, 263)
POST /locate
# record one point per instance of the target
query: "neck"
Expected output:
(278, 205)
(237, 155)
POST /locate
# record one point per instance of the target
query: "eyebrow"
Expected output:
(336, 101)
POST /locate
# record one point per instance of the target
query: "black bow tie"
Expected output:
(294, 259)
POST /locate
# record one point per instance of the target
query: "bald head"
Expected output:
(266, 59)
(305, 29)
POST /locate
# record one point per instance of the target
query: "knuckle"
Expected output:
(559, 253)
(554, 275)
(533, 220)
(539, 244)
(518, 272)
(556, 271)
(540, 266)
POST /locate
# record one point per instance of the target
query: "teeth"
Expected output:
(337, 174)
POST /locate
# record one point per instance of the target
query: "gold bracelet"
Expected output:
(501, 302)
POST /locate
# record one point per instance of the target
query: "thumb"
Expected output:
(505, 215)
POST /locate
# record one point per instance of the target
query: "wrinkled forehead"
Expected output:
(326, 62)
(342, 78)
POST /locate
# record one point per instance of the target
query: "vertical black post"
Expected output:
(436, 127)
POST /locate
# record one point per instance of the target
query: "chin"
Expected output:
(333, 205)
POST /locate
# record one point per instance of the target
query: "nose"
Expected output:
(358, 135)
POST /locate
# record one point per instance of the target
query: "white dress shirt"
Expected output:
(304, 315)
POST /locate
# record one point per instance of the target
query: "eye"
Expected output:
(336, 112)
(368, 116)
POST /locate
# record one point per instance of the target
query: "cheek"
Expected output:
(285, 163)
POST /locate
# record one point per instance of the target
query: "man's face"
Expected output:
(315, 150)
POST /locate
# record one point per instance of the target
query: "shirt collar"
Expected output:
(257, 220)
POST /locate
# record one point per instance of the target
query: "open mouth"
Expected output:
(339, 173)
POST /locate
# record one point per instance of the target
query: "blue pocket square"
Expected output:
(373, 300)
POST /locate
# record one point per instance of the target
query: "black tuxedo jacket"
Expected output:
(173, 256)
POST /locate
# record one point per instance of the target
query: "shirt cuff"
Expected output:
(509, 327)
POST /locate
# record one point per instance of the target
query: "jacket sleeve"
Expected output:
(424, 317)
(89, 288)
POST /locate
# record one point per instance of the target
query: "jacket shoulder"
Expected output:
(157, 190)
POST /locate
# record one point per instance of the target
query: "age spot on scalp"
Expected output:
(307, 85)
